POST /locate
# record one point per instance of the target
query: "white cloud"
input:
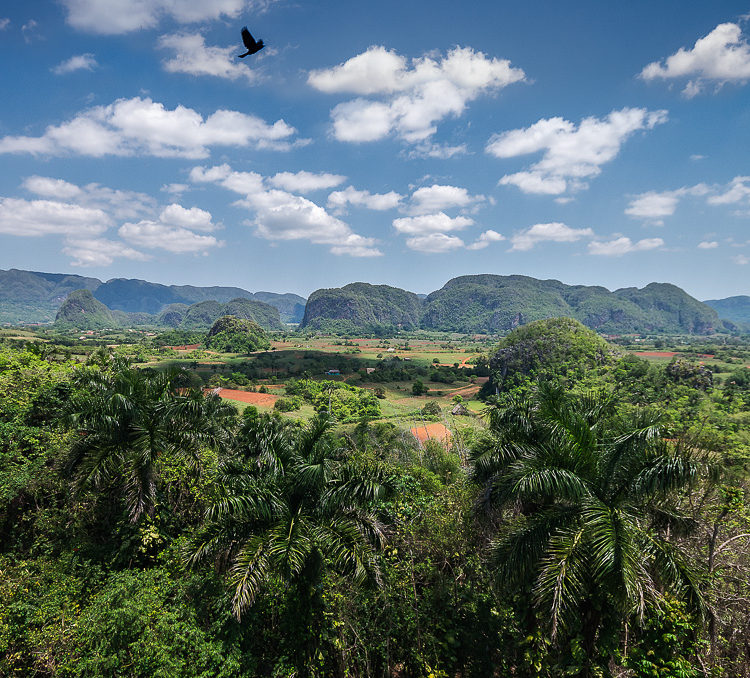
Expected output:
(81, 62)
(99, 251)
(526, 239)
(51, 188)
(4, 23)
(441, 151)
(175, 189)
(305, 182)
(720, 57)
(111, 17)
(193, 57)
(417, 95)
(485, 239)
(623, 245)
(145, 127)
(570, 154)
(431, 223)
(708, 245)
(280, 215)
(157, 235)
(438, 197)
(741, 260)
(654, 205)
(119, 204)
(43, 217)
(193, 218)
(434, 243)
(737, 191)
(338, 200)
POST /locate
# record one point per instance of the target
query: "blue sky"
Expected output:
(402, 143)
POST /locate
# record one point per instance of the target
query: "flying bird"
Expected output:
(252, 45)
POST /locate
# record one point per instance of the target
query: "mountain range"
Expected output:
(494, 303)
(468, 304)
(33, 297)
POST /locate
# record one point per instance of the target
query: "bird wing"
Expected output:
(248, 39)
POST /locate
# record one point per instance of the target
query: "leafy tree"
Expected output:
(587, 498)
(289, 505)
(130, 422)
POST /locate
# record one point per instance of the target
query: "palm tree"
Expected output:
(587, 500)
(130, 421)
(289, 504)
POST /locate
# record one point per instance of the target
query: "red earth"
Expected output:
(434, 431)
(265, 399)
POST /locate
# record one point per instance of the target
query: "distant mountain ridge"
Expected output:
(736, 309)
(470, 304)
(30, 296)
(494, 303)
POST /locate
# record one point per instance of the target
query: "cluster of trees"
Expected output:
(147, 529)
(339, 399)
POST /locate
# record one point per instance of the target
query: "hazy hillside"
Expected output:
(29, 296)
(362, 306)
(736, 309)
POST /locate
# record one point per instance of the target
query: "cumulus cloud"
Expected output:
(741, 260)
(570, 154)
(623, 245)
(81, 62)
(438, 197)
(99, 251)
(280, 215)
(528, 238)
(708, 245)
(194, 57)
(339, 200)
(305, 182)
(43, 217)
(737, 191)
(144, 127)
(434, 243)
(117, 203)
(112, 17)
(655, 205)
(193, 218)
(414, 96)
(485, 239)
(159, 235)
(720, 57)
(4, 23)
(431, 223)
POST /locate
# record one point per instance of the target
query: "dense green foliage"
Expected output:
(572, 534)
(560, 348)
(341, 400)
(491, 303)
(82, 312)
(230, 334)
(362, 307)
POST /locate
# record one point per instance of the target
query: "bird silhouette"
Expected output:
(252, 45)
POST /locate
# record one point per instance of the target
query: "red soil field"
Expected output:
(434, 431)
(657, 354)
(265, 399)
